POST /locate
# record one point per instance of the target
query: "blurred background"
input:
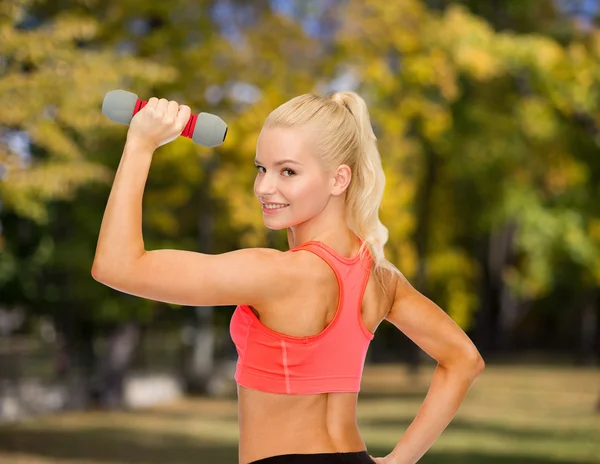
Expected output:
(488, 120)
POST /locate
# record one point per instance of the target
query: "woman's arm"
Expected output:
(447, 391)
(120, 241)
(459, 364)
(181, 277)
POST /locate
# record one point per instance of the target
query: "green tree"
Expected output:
(54, 77)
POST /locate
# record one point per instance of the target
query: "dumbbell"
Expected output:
(205, 129)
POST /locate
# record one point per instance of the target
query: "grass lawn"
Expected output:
(513, 414)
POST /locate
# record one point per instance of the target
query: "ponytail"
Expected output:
(365, 192)
(346, 137)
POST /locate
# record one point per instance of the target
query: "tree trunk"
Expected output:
(114, 365)
(200, 363)
(481, 333)
(588, 330)
(499, 310)
(500, 255)
(76, 358)
(421, 242)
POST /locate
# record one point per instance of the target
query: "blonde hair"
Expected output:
(343, 135)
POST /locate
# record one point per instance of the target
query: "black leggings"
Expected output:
(357, 457)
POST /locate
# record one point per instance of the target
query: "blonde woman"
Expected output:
(305, 317)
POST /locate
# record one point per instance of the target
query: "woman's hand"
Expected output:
(389, 459)
(159, 122)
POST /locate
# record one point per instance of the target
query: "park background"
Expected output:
(487, 114)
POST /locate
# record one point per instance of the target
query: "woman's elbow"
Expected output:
(479, 363)
(100, 272)
(474, 362)
(469, 362)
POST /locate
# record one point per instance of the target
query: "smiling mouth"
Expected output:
(274, 208)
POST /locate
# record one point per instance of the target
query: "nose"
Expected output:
(265, 186)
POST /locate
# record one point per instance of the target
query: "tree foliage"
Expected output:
(481, 127)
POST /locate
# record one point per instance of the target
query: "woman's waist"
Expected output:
(300, 428)
(272, 424)
(272, 438)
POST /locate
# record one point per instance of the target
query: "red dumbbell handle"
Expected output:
(188, 131)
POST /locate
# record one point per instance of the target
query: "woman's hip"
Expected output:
(355, 457)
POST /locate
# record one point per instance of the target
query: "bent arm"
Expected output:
(120, 241)
(446, 393)
(459, 364)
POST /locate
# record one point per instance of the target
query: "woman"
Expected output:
(305, 317)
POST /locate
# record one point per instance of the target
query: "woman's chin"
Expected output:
(271, 227)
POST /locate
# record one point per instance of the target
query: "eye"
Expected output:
(292, 173)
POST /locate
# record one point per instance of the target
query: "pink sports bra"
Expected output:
(331, 361)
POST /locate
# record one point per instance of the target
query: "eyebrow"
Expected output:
(280, 162)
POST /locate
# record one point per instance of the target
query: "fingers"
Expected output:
(183, 116)
(162, 106)
(158, 107)
(167, 116)
(167, 108)
(171, 111)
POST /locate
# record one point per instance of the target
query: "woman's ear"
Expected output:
(342, 179)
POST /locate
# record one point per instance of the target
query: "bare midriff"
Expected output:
(271, 424)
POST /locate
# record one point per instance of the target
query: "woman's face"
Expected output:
(288, 173)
